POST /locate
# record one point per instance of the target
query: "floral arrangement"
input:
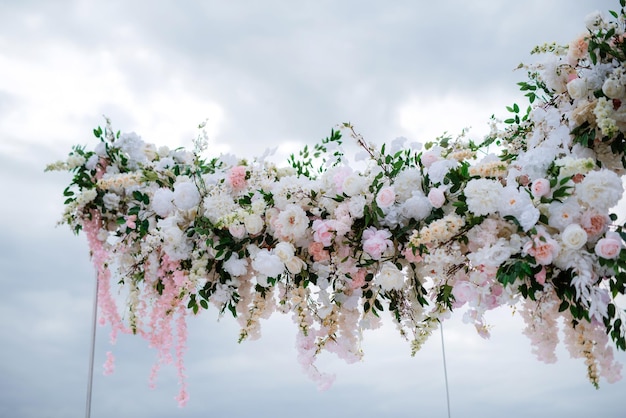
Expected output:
(521, 218)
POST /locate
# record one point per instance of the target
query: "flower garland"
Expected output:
(418, 232)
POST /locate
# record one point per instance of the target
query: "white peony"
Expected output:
(111, 201)
(438, 170)
(354, 184)
(417, 207)
(600, 190)
(389, 277)
(563, 214)
(284, 250)
(292, 223)
(268, 264)
(483, 196)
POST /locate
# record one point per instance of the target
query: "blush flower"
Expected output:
(386, 197)
(376, 242)
(542, 247)
(610, 246)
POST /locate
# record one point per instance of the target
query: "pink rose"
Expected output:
(610, 246)
(376, 242)
(429, 157)
(437, 197)
(386, 197)
(540, 187)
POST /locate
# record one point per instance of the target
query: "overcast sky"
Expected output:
(265, 74)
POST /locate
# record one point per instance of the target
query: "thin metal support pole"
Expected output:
(445, 369)
(92, 351)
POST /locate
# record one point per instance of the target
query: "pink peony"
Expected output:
(322, 232)
(376, 242)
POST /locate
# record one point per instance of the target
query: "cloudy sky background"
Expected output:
(265, 74)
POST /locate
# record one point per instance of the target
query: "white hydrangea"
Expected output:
(111, 201)
(186, 195)
(162, 202)
(417, 207)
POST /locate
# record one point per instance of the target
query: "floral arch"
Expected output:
(418, 232)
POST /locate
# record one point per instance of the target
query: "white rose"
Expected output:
(253, 223)
(613, 89)
(574, 236)
(389, 277)
(284, 250)
(577, 88)
(294, 265)
(353, 185)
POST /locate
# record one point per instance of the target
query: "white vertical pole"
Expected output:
(92, 350)
(445, 369)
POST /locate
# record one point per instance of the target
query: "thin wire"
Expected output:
(92, 351)
(445, 369)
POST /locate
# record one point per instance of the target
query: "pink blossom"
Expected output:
(109, 364)
(463, 291)
(386, 197)
(437, 197)
(358, 279)
(412, 256)
(322, 232)
(317, 251)
(543, 247)
(540, 277)
(376, 242)
(609, 247)
(130, 221)
(237, 177)
(540, 187)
